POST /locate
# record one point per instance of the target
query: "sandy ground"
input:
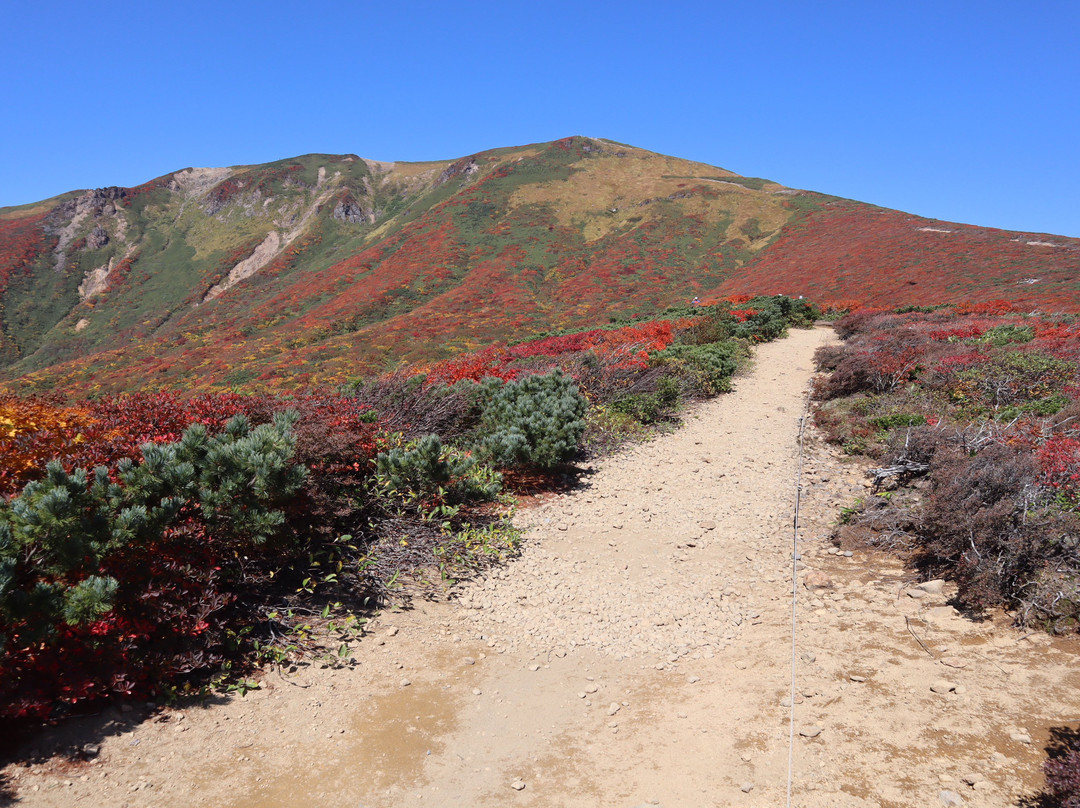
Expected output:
(638, 653)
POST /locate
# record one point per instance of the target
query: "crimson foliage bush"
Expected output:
(1062, 771)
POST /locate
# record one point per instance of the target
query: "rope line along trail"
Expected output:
(794, 593)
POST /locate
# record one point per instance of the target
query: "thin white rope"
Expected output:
(794, 595)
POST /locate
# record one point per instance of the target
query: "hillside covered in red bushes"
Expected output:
(324, 268)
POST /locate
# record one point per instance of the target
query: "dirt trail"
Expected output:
(639, 652)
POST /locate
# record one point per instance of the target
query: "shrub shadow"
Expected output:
(1064, 741)
(75, 741)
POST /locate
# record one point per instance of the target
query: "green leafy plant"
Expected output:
(1007, 334)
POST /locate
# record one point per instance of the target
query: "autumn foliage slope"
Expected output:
(326, 267)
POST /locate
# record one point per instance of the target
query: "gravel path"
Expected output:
(665, 552)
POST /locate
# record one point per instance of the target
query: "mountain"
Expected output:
(324, 267)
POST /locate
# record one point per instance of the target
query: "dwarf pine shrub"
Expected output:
(425, 469)
(709, 367)
(537, 420)
(242, 471)
(110, 577)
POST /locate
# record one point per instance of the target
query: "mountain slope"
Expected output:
(883, 257)
(323, 267)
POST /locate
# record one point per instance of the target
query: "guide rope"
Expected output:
(794, 593)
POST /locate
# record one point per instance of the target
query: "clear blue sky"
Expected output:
(964, 111)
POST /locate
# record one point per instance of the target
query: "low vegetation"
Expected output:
(973, 418)
(154, 544)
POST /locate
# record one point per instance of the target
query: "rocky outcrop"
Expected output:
(465, 166)
(249, 266)
(221, 195)
(197, 182)
(97, 238)
(95, 281)
(99, 202)
(66, 221)
(349, 210)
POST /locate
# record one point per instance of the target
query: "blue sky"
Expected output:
(964, 111)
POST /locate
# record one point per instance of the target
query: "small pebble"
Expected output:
(746, 788)
(517, 785)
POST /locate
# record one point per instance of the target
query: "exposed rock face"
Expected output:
(348, 210)
(95, 203)
(249, 266)
(66, 219)
(221, 195)
(197, 182)
(97, 239)
(466, 166)
(100, 201)
(101, 198)
(112, 192)
(95, 281)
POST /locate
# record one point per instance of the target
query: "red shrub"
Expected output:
(1059, 462)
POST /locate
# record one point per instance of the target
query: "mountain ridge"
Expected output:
(321, 267)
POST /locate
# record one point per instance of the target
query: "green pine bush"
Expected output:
(425, 469)
(538, 420)
(60, 530)
(708, 367)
